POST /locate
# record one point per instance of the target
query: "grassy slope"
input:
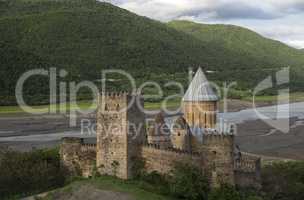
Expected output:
(132, 188)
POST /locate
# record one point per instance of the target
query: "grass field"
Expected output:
(83, 105)
(171, 105)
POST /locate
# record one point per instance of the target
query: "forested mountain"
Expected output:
(85, 36)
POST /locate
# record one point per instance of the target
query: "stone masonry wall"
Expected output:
(111, 137)
(219, 155)
(120, 130)
(163, 161)
(78, 158)
(248, 171)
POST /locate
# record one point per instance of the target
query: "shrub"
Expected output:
(254, 198)
(159, 182)
(25, 173)
(225, 192)
(250, 193)
(284, 181)
(138, 168)
(188, 182)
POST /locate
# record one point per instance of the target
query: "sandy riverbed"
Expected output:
(253, 135)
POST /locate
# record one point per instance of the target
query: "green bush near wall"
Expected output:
(26, 173)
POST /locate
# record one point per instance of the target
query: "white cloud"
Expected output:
(168, 9)
(295, 43)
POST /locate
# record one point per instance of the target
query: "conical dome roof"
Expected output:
(200, 89)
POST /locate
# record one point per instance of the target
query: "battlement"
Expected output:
(247, 171)
(77, 157)
(120, 95)
(171, 150)
(117, 94)
(118, 101)
(75, 145)
(88, 147)
(247, 163)
(213, 131)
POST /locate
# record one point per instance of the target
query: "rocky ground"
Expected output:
(91, 193)
(85, 191)
(101, 188)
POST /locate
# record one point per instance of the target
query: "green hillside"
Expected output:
(13, 64)
(244, 42)
(84, 37)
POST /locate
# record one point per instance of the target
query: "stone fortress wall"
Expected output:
(77, 157)
(163, 160)
(248, 171)
(80, 159)
(122, 138)
(118, 118)
(115, 151)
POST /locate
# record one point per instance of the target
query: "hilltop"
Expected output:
(244, 43)
(85, 36)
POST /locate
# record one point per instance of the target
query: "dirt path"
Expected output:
(88, 192)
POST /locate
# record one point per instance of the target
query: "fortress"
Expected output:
(123, 137)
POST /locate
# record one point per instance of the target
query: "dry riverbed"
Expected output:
(26, 132)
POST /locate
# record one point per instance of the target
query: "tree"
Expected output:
(225, 192)
(188, 182)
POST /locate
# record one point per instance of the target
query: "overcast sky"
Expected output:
(278, 19)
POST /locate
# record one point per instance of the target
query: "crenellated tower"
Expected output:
(120, 133)
(218, 151)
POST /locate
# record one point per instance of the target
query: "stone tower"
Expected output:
(181, 135)
(200, 111)
(200, 103)
(120, 131)
(219, 158)
(159, 133)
